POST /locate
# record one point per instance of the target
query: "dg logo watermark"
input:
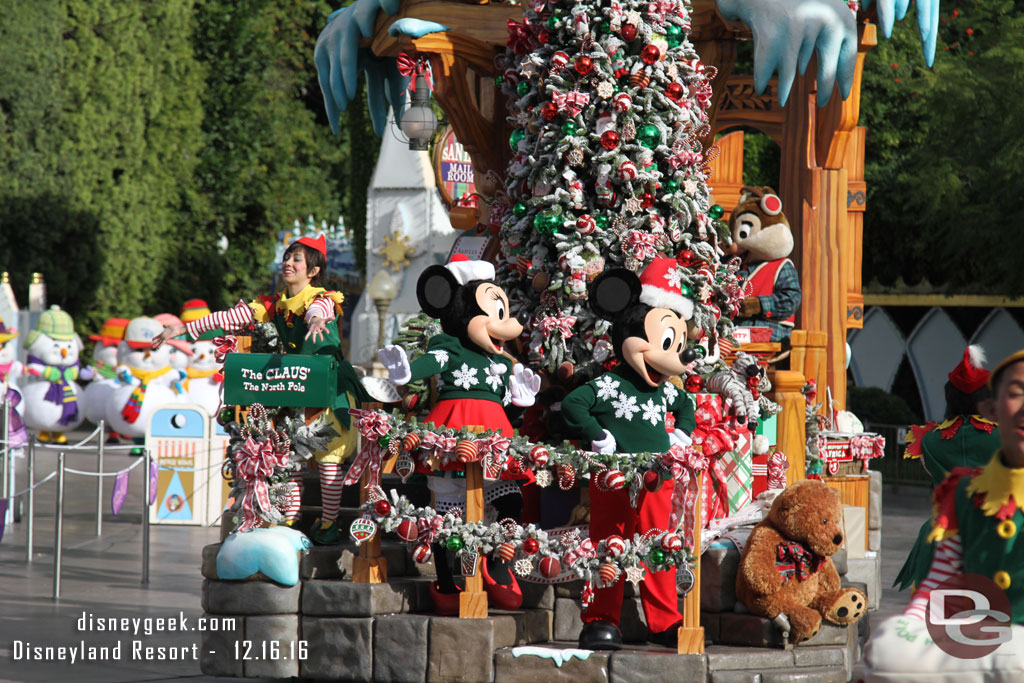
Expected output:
(969, 616)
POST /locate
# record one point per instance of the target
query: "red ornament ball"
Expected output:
(549, 111)
(506, 551)
(539, 456)
(530, 546)
(411, 442)
(407, 530)
(672, 543)
(382, 508)
(609, 140)
(514, 467)
(421, 553)
(675, 91)
(550, 567)
(566, 370)
(543, 36)
(686, 258)
(558, 60)
(466, 451)
(650, 54)
(628, 32)
(647, 201)
(615, 545)
(652, 481)
(694, 384)
(608, 573)
(583, 65)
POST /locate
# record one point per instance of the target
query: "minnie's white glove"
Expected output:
(523, 385)
(606, 444)
(679, 438)
(393, 358)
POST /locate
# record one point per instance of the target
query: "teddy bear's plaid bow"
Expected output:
(793, 558)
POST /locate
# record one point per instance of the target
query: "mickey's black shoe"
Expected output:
(600, 635)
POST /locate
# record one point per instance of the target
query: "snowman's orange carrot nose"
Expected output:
(63, 353)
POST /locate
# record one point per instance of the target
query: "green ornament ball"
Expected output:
(716, 211)
(606, 27)
(523, 88)
(672, 185)
(519, 210)
(602, 222)
(551, 23)
(226, 415)
(674, 31)
(498, 81)
(649, 135)
(673, 42)
(517, 136)
(657, 556)
(547, 223)
(685, 289)
(454, 544)
(569, 128)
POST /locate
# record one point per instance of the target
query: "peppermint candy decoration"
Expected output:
(559, 60)
(539, 456)
(615, 545)
(611, 480)
(672, 543)
(627, 170)
(566, 477)
(622, 102)
(585, 224)
(421, 553)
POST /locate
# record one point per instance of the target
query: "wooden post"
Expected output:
(369, 566)
(473, 600)
(792, 426)
(691, 633)
(808, 356)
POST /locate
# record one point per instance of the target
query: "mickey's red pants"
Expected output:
(611, 513)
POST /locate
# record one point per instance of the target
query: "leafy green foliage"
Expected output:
(944, 152)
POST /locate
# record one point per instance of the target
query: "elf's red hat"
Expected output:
(662, 287)
(319, 243)
(968, 376)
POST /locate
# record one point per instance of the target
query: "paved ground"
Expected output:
(101, 577)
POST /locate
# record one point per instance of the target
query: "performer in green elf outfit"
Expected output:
(964, 439)
(306, 318)
(623, 411)
(977, 522)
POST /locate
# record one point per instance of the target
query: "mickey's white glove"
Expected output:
(523, 385)
(394, 359)
(606, 444)
(679, 438)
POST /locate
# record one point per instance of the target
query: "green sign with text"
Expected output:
(280, 380)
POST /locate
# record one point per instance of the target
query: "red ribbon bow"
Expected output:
(794, 559)
(410, 67)
(585, 550)
(549, 324)
(372, 426)
(520, 38)
(573, 102)
(223, 346)
(428, 528)
(255, 461)
(641, 245)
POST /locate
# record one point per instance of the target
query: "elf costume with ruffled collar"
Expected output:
(982, 506)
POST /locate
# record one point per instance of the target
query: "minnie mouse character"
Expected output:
(623, 411)
(477, 379)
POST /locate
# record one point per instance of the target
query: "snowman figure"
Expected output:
(205, 378)
(52, 398)
(11, 369)
(145, 377)
(181, 355)
(102, 372)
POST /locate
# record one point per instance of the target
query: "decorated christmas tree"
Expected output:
(609, 101)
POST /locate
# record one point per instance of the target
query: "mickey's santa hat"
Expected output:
(662, 287)
(968, 376)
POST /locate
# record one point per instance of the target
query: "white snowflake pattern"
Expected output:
(670, 392)
(441, 356)
(607, 388)
(494, 381)
(635, 574)
(544, 478)
(626, 407)
(674, 278)
(465, 377)
(653, 412)
(523, 567)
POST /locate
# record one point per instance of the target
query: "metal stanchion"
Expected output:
(145, 518)
(58, 526)
(31, 497)
(6, 490)
(99, 485)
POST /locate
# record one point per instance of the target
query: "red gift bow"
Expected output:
(492, 450)
(372, 426)
(255, 461)
(520, 38)
(686, 464)
(573, 102)
(223, 346)
(585, 550)
(641, 245)
(442, 444)
(685, 158)
(549, 324)
(410, 67)
(428, 528)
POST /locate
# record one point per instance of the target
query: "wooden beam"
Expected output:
(964, 300)
(792, 425)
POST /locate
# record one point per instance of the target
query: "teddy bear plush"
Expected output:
(786, 571)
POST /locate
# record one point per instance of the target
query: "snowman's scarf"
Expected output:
(133, 407)
(60, 392)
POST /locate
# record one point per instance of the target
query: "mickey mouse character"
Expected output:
(477, 379)
(623, 411)
(762, 236)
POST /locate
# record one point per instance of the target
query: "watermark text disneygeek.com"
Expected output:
(135, 649)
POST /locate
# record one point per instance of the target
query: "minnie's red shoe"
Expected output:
(501, 596)
(445, 604)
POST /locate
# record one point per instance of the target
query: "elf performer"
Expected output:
(305, 316)
(964, 439)
(477, 380)
(622, 412)
(977, 521)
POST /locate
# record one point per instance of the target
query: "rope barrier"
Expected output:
(105, 474)
(66, 447)
(39, 483)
